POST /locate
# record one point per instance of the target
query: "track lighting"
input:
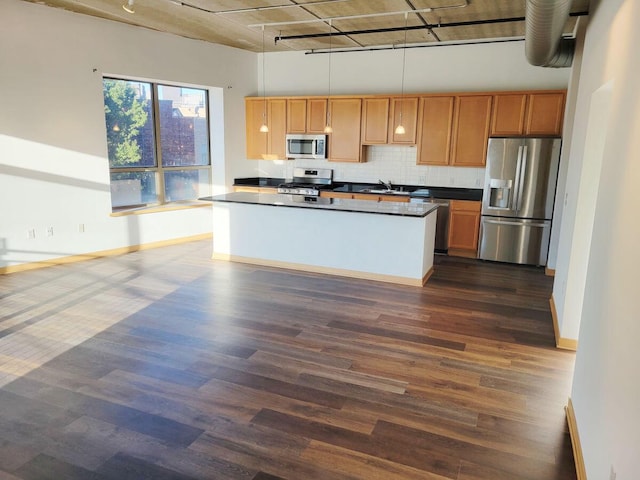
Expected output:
(128, 7)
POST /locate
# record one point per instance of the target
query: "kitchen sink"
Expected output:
(384, 191)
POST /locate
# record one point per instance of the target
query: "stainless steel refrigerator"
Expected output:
(517, 205)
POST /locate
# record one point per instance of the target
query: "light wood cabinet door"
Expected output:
(256, 141)
(277, 122)
(271, 144)
(405, 111)
(366, 196)
(394, 198)
(297, 115)
(434, 134)
(316, 115)
(306, 115)
(545, 113)
(530, 114)
(252, 189)
(375, 121)
(330, 194)
(464, 227)
(508, 114)
(345, 116)
(471, 130)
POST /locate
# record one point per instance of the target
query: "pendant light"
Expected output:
(400, 128)
(327, 127)
(128, 7)
(263, 128)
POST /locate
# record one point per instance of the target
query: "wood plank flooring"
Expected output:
(163, 364)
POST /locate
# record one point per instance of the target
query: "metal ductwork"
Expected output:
(543, 42)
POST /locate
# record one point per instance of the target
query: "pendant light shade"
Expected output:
(128, 6)
(263, 128)
(400, 128)
(327, 127)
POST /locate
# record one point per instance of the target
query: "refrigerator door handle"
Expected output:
(514, 199)
(519, 224)
(523, 169)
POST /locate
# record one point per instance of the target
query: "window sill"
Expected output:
(168, 207)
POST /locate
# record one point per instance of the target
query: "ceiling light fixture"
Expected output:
(328, 128)
(263, 128)
(353, 17)
(400, 128)
(128, 7)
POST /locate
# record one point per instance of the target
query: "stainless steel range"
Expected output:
(307, 181)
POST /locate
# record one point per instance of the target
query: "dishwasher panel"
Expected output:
(442, 222)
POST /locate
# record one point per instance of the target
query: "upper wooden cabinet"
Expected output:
(531, 114)
(345, 115)
(471, 130)
(375, 120)
(403, 110)
(435, 121)
(508, 114)
(545, 113)
(449, 129)
(269, 145)
(306, 115)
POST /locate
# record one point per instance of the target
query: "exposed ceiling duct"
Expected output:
(543, 42)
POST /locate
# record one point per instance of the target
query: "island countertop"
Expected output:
(338, 204)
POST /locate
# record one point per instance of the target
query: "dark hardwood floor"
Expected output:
(167, 365)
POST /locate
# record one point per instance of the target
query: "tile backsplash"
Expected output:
(393, 163)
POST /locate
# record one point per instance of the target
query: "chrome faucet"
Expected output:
(387, 185)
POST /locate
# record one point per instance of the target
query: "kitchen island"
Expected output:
(384, 241)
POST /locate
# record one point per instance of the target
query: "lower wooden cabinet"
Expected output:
(330, 194)
(365, 196)
(464, 228)
(253, 189)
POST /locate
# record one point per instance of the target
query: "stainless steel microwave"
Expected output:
(306, 146)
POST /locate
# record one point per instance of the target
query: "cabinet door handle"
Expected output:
(523, 171)
(516, 182)
(517, 224)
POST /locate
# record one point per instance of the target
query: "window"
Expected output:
(158, 143)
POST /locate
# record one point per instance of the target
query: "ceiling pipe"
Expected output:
(543, 42)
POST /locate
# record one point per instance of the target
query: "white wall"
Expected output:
(567, 133)
(606, 386)
(483, 67)
(53, 166)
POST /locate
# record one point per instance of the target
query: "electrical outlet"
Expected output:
(31, 233)
(477, 182)
(612, 474)
(81, 227)
(49, 231)
(422, 179)
(452, 180)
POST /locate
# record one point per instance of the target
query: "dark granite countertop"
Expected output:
(415, 191)
(259, 181)
(318, 203)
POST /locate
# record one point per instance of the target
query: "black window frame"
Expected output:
(159, 169)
